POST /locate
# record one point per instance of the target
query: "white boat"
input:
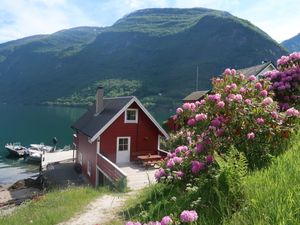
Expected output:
(42, 147)
(35, 151)
(16, 149)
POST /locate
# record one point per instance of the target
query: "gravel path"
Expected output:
(100, 211)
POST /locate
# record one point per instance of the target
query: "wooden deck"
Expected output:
(137, 176)
(54, 157)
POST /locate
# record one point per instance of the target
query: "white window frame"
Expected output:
(89, 168)
(118, 142)
(80, 158)
(98, 145)
(136, 116)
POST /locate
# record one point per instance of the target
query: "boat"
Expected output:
(42, 147)
(35, 152)
(16, 149)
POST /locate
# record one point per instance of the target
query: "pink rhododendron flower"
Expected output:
(252, 78)
(200, 117)
(186, 106)
(133, 223)
(153, 223)
(179, 173)
(248, 101)
(243, 90)
(199, 147)
(250, 136)
(221, 104)
(209, 159)
(267, 101)
(260, 120)
(188, 216)
(170, 163)
(202, 102)
(159, 174)
(274, 115)
(174, 117)
(227, 71)
(215, 97)
(233, 86)
(258, 86)
(166, 220)
(292, 112)
(197, 166)
(216, 122)
(220, 132)
(177, 160)
(179, 110)
(191, 122)
(238, 98)
(264, 93)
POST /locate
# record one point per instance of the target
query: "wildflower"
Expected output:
(188, 216)
(267, 101)
(221, 104)
(250, 136)
(200, 117)
(252, 78)
(197, 166)
(166, 220)
(260, 120)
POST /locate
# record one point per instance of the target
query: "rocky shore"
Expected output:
(17, 193)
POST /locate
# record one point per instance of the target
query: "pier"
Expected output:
(56, 157)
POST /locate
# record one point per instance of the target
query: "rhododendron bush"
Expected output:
(285, 80)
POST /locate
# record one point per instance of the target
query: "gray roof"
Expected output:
(196, 95)
(254, 70)
(89, 124)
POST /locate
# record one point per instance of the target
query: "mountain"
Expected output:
(160, 48)
(292, 44)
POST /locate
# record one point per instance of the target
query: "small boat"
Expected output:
(35, 152)
(16, 149)
(41, 147)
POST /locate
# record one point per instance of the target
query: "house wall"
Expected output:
(144, 136)
(88, 151)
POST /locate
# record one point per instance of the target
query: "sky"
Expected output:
(20, 18)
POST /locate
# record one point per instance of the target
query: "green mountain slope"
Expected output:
(160, 48)
(292, 44)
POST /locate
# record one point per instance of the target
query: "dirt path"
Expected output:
(101, 210)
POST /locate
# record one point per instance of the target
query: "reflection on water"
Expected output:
(28, 125)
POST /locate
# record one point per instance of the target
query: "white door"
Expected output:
(123, 149)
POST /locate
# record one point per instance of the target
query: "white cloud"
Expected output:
(20, 18)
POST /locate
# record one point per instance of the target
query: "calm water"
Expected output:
(28, 125)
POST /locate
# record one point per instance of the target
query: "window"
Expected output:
(123, 144)
(89, 168)
(131, 116)
(80, 158)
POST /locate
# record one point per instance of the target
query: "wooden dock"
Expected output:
(55, 157)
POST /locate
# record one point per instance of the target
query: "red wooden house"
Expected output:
(114, 131)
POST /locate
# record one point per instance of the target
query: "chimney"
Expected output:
(99, 100)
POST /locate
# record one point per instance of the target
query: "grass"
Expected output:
(271, 196)
(54, 207)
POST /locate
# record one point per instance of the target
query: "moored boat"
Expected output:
(16, 149)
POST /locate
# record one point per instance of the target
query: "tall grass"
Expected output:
(54, 207)
(273, 194)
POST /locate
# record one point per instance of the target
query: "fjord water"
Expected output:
(28, 125)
